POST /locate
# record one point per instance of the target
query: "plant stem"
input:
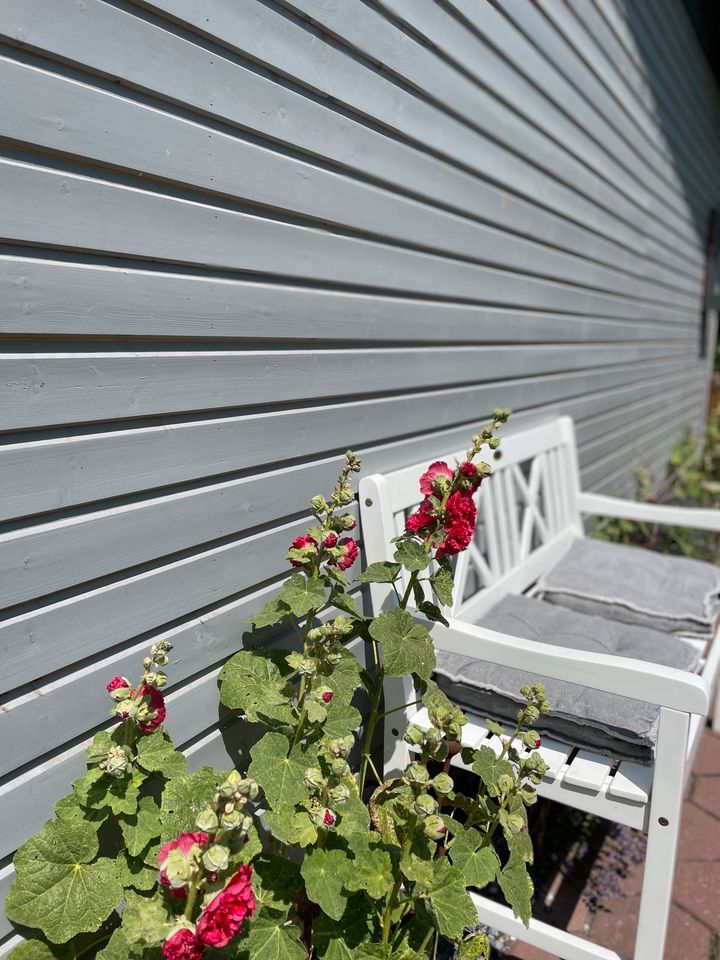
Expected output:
(370, 728)
(391, 901)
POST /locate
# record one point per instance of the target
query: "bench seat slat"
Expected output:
(588, 771)
(631, 782)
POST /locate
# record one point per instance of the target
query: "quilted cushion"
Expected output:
(603, 722)
(668, 593)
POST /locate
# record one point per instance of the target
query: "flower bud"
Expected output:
(319, 504)
(333, 657)
(116, 763)
(531, 739)
(433, 736)
(339, 768)
(207, 820)
(505, 783)
(339, 794)
(231, 820)
(414, 735)
(147, 662)
(434, 828)
(177, 868)
(156, 679)
(515, 823)
(425, 806)
(216, 858)
(323, 694)
(324, 818)
(315, 635)
(246, 824)
(231, 784)
(443, 784)
(416, 773)
(313, 779)
(307, 667)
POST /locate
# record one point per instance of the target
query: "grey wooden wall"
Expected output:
(239, 236)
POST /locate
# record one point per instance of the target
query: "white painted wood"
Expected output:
(631, 781)
(539, 934)
(588, 771)
(663, 831)
(695, 517)
(555, 755)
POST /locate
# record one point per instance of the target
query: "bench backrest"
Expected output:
(527, 515)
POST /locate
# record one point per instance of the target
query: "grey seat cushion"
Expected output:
(603, 722)
(633, 585)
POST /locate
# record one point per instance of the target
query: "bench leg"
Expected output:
(398, 692)
(715, 715)
(662, 834)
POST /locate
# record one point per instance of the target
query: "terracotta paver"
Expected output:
(695, 915)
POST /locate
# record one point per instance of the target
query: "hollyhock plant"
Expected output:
(342, 862)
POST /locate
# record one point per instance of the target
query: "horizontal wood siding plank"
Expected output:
(63, 472)
(51, 389)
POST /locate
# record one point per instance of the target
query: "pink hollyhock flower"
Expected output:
(422, 518)
(349, 556)
(184, 842)
(300, 542)
(223, 916)
(435, 470)
(330, 540)
(329, 818)
(157, 705)
(182, 945)
(115, 683)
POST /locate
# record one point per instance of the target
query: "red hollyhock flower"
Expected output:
(182, 945)
(458, 534)
(300, 542)
(460, 505)
(350, 555)
(330, 540)
(469, 470)
(183, 842)
(422, 518)
(327, 696)
(157, 705)
(115, 683)
(435, 470)
(328, 818)
(538, 743)
(223, 916)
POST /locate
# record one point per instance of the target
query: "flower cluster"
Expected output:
(321, 544)
(201, 860)
(447, 515)
(145, 704)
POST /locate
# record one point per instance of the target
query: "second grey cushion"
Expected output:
(604, 722)
(674, 594)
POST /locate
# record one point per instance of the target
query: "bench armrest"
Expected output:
(695, 517)
(649, 682)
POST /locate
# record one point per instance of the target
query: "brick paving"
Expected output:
(695, 916)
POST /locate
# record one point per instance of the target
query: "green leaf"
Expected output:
(117, 947)
(449, 902)
(432, 612)
(490, 768)
(142, 828)
(417, 869)
(476, 947)
(380, 572)
(272, 939)
(121, 796)
(302, 595)
(39, 950)
(517, 888)
(182, 800)
(434, 699)
(291, 827)
(271, 613)
(57, 887)
(341, 719)
(353, 816)
(156, 754)
(145, 920)
(136, 873)
(371, 868)
(412, 556)
(406, 645)
(275, 881)
(442, 583)
(478, 864)
(255, 681)
(345, 678)
(325, 873)
(343, 601)
(279, 771)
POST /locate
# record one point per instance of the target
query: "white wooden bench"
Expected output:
(529, 511)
